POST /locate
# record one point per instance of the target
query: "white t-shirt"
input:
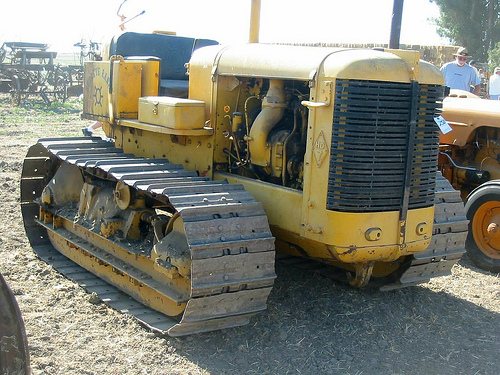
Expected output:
(495, 84)
(460, 77)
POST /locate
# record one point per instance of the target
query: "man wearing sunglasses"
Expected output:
(460, 75)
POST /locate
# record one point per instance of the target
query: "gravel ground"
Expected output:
(313, 325)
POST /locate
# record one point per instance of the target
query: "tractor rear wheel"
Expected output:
(483, 240)
(14, 355)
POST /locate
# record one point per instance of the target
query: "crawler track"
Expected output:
(231, 246)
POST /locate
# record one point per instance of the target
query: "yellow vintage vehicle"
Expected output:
(470, 160)
(324, 153)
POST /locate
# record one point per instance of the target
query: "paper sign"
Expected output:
(443, 125)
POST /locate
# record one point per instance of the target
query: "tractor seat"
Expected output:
(173, 51)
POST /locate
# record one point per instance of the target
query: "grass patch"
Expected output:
(35, 119)
(35, 110)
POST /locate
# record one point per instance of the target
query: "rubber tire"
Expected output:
(14, 353)
(487, 192)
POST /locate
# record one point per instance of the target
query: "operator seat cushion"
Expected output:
(174, 52)
(178, 88)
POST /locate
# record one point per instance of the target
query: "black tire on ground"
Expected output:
(14, 355)
(483, 212)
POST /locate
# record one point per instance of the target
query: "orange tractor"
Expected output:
(469, 158)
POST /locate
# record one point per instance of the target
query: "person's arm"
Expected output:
(476, 82)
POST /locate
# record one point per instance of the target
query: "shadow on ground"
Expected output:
(314, 325)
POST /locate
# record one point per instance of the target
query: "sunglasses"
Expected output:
(462, 58)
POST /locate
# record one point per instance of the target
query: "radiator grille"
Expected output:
(369, 146)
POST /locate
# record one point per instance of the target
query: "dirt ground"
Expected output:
(313, 325)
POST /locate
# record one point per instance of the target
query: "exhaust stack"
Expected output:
(397, 14)
(254, 22)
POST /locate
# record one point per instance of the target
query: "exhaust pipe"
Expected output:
(254, 22)
(397, 14)
(273, 108)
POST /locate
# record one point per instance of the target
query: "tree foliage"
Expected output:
(474, 24)
(494, 57)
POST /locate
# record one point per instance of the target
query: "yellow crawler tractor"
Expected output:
(324, 153)
(470, 160)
